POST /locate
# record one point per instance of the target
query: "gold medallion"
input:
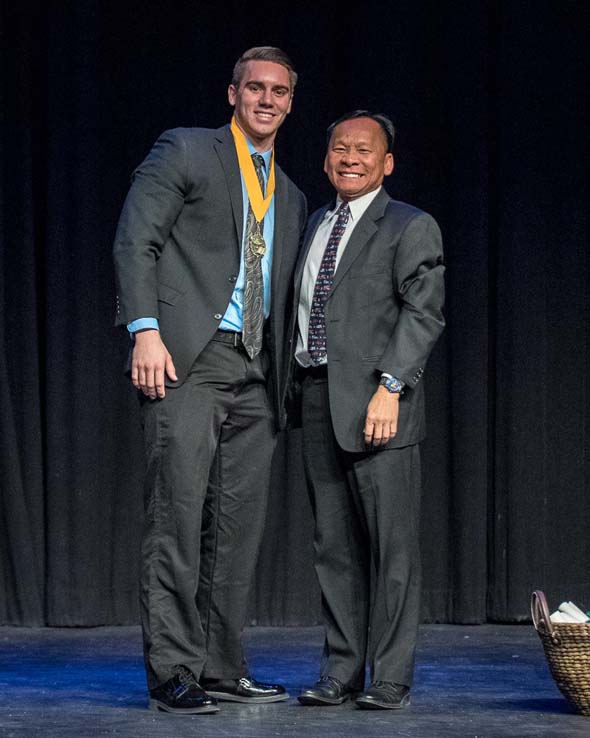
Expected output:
(257, 244)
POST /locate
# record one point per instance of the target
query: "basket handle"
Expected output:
(540, 612)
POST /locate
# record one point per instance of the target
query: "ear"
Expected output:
(389, 164)
(231, 95)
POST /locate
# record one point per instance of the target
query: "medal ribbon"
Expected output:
(258, 203)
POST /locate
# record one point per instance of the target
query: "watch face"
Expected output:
(392, 384)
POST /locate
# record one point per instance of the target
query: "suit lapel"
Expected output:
(364, 230)
(281, 203)
(226, 151)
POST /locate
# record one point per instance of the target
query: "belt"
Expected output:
(315, 372)
(232, 337)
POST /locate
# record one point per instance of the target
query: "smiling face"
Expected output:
(357, 158)
(262, 101)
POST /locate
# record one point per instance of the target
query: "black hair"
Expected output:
(384, 122)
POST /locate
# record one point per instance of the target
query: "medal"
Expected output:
(256, 242)
(259, 203)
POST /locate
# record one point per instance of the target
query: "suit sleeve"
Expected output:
(152, 205)
(418, 277)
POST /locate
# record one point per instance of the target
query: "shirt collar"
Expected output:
(357, 206)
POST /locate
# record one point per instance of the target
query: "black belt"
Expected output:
(315, 372)
(232, 337)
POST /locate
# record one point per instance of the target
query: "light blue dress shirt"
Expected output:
(232, 319)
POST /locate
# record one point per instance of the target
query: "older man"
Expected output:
(369, 293)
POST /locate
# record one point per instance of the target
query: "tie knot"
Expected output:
(258, 162)
(259, 169)
(343, 213)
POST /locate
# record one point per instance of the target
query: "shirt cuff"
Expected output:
(142, 323)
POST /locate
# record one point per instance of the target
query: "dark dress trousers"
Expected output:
(209, 441)
(384, 314)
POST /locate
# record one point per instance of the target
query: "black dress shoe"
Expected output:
(384, 696)
(327, 691)
(182, 694)
(245, 689)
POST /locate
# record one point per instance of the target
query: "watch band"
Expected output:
(392, 384)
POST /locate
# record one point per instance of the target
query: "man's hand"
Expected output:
(149, 364)
(381, 421)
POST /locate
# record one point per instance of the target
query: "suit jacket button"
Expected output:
(233, 278)
(218, 316)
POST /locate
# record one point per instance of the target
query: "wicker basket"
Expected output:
(567, 648)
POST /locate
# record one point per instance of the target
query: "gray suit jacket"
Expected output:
(178, 245)
(384, 314)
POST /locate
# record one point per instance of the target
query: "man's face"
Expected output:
(262, 101)
(357, 158)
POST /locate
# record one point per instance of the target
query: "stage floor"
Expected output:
(485, 681)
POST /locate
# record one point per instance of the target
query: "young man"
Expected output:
(204, 256)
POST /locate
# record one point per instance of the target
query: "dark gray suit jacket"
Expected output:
(384, 314)
(178, 245)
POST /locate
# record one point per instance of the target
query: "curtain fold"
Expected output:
(489, 102)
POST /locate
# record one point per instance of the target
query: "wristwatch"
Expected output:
(392, 384)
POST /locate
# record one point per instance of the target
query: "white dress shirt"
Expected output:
(314, 260)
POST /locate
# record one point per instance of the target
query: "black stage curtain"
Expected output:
(489, 102)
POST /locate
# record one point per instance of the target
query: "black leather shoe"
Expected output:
(327, 691)
(384, 696)
(182, 694)
(245, 689)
